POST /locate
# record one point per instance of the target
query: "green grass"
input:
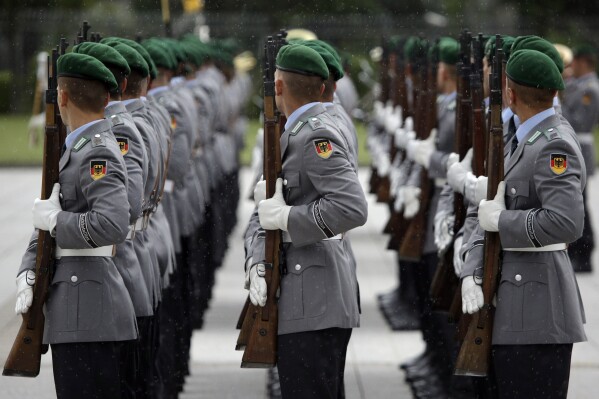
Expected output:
(15, 149)
(14, 142)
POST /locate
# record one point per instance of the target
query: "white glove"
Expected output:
(273, 212)
(383, 165)
(379, 114)
(403, 137)
(451, 159)
(45, 212)
(399, 200)
(456, 174)
(411, 201)
(411, 148)
(425, 149)
(475, 188)
(444, 222)
(393, 121)
(25, 282)
(259, 192)
(472, 296)
(489, 210)
(458, 263)
(258, 285)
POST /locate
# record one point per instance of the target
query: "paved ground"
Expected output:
(374, 351)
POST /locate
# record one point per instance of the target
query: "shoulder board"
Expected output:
(81, 143)
(117, 120)
(552, 133)
(534, 137)
(451, 105)
(315, 123)
(98, 140)
(296, 129)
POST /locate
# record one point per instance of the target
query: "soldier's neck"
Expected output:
(78, 118)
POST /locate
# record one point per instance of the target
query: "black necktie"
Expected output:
(63, 149)
(514, 145)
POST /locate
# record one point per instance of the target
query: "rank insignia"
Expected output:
(324, 148)
(97, 169)
(559, 163)
(123, 145)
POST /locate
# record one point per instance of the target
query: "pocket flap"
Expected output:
(520, 274)
(68, 192)
(291, 179)
(516, 188)
(76, 273)
(300, 259)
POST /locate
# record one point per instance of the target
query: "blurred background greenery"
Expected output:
(353, 26)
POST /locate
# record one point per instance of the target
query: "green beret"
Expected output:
(220, 52)
(449, 50)
(584, 50)
(506, 46)
(433, 52)
(176, 49)
(329, 48)
(160, 54)
(134, 59)
(112, 41)
(533, 68)
(415, 48)
(105, 54)
(537, 43)
(83, 66)
(335, 68)
(301, 59)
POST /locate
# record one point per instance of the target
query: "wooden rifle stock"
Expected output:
(25, 355)
(475, 354)
(259, 325)
(426, 118)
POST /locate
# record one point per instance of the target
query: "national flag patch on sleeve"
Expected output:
(324, 148)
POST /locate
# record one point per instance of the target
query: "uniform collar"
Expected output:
(507, 113)
(77, 132)
(298, 112)
(527, 126)
(157, 90)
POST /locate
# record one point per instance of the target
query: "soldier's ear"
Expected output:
(279, 87)
(63, 97)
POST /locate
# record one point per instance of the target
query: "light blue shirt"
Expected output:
(296, 114)
(507, 113)
(328, 105)
(157, 90)
(68, 142)
(112, 103)
(526, 126)
(129, 101)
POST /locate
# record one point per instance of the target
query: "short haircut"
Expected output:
(119, 76)
(302, 87)
(135, 84)
(531, 96)
(87, 95)
(590, 59)
(329, 88)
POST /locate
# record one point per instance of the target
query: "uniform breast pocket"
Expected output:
(75, 302)
(517, 192)
(68, 197)
(304, 287)
(291, 184)
(523, 297)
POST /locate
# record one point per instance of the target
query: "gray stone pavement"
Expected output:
(374, 351)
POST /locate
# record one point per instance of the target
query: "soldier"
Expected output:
(89, 313)
(538, 211)
(323, 199)
(581, 109)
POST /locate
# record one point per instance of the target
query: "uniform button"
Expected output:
(97, 136)
(285, 182)
(74, 279)
(518, 277)
(513, 190)
(298, 267)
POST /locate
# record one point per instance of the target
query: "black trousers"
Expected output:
(91, 370)
(581, 250)
(311, 364)
(532, 371)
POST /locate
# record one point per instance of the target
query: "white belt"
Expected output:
(547, 248)
(169, 185)
(138, 226)
(287, 238)
(439, 182)
(107, 250)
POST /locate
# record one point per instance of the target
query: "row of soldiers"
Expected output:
(427, 143)
(146, 199)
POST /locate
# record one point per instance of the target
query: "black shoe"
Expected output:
(581, 266)
(418, 361)
(403, 319)
(429, 388)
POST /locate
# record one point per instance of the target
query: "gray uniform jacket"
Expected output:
(87, 299)
(136, 159)
(348, 129)
(538, 301)
(319, 288)
(581, 108)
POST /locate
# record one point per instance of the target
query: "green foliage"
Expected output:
(5, 90)
(14, 142)
(294, 8)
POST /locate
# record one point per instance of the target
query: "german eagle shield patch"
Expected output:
(97, 169)
(558, 163)
(123, 145)
(324, 148)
